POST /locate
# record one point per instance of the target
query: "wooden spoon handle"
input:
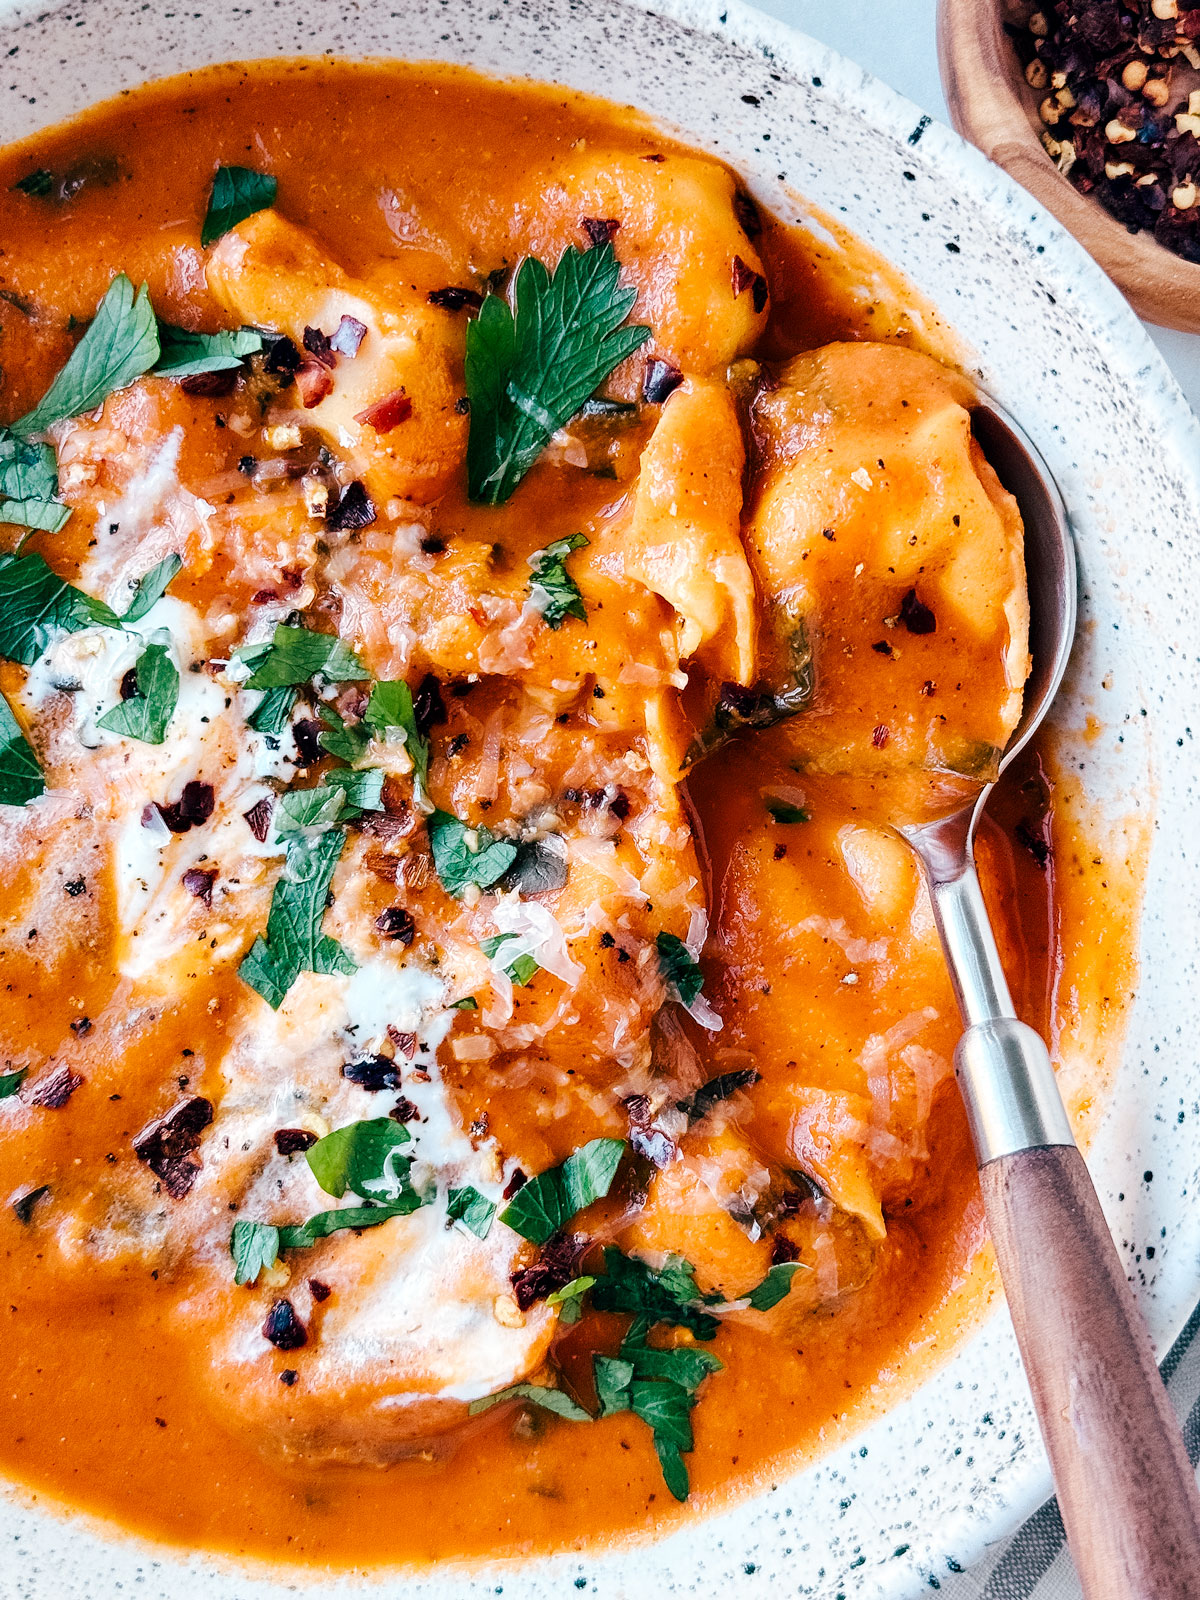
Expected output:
(1126, 1490)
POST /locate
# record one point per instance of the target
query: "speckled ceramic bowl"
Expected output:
(919, 1493)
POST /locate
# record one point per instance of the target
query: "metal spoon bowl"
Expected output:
(1126, 1490)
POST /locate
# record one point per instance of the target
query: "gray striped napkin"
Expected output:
(1034, 1564)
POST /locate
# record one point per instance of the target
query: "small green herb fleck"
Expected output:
(776, 1285)
(294, 942)
(21, 777)
(552, 589)
(364, 1157)
(147, 715)
(151, 587)
(555, 1400)
(237, 193)
(391, 707)
(185, 354)
(520, 969)
(37, 183)
(255, 1248)
(36, 605)
(782, 811)
(472, 1209)
(680, 973)
(549, 1201)
(464, 856)
(10, 1082)
(293, 655)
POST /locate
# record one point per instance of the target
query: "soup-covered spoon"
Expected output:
(1126, 1490)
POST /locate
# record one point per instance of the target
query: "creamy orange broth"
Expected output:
(771, 484)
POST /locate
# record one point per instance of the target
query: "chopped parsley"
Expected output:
(464, 856)
(776, 1285)
(528, 373)
(391, 707)
(782, 811)
(294, 942)
(294, 654)
(37, 183)
(10, 1082)
(147, 714)
(301, 811)
(36, 605)
(681, 974)
(21, 777)
(347, 741)
(549, 1201)
(555, 1400)
(570, 1299)
(521, 968)
(29, 485)
(237, 193)
(552, 590)
(364, 1157)
(472, 1209)
(255, 1248)
(669, 1295)
(150, 588)
(186, 354)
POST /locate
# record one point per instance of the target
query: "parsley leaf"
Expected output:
(556, 1400)
(300, 810)
(570, 1298)
(346, 740)
(10, 1082)
(294, 942)
(36, 183)
(29, 485)
(552, 590)
(391, 706)
(271, 714)
(20, 775)
(782, 811)
(457, 864)
(680, 973)
(302, 1235)
(521, 969)
(36, 604)
(147, 715)
(472, 1209)
(255, 1248)
(364, 1158)
(150, 587)
(120, 346)
(184, 354)
(362, 790)
(776, 1285)
(293, 655)
(669, 1295)
(549, 1201)
(237, 193)
(613, 1377)
(527, 374)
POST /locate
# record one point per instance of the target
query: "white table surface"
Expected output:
(895, 39)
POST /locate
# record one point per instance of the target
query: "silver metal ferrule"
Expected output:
(1009, 1089)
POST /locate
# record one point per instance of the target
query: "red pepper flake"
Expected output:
(81, 1027)
(319, 1291)
(654, 158)
(429, 709)
(928, 687)
(348, 337)
(263, 597)
(404, 1111)
(314, 382)
(294, 1141)
(199, 882)
(307, 734)
(880, 736)
(600, 230)
(210, 383)
(454, 298)
(75, 887)
(354, 510)
(288, 1377)
(166, 1146)
(916, 616)
(1033, 837)
(54, 1092)
(282, 359)
(23, 1205)
(406, 1043)
(517, 1181)
(746, 212)
(258, 818)
(319, 347)
(661, 379)
(782, 1249)
(191, 810)
(387, 413)
(396, 923)
(293, 577)
(373, 1073)
(129, 684)
(883, 648)
(283, 1327)
(743, 276)
(554, 1268)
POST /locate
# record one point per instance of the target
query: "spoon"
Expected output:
(1126, 1490)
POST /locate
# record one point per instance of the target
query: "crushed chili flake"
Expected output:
(406, 1043)
(318, 346)
(782, 1249)
(75, 887)
(880, 736)
(743, 276)
(387, 413)
(517, 1181)
(307, 734)
(454, 298)
(429, 709)
(288, 1376)
(282, 358)
(348, 336)
(129, 684)
(319, 1291)
(23, 1205)
(210, 383)
(199, 882)
(294, 1141)
(1033, 837)
(554, 1268)
(915, 615)
(600, 230)
(746, 212)
(166, 1146)
(404, 1111)
(258, 818)
(191, 810)
(373, 1073)
(81, 1027)
(315, 383)
(396, 923)
(661, 379)
(54, 1092)
(283, 1327)
(883, 648)
(354, 509)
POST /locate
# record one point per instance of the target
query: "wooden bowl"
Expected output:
(992, 106)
